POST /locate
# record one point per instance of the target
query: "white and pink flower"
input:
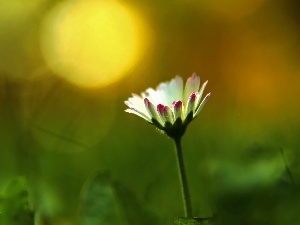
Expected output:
(171, 107)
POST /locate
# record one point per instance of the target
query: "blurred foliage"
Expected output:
(193, 221)
(56, 133)
(15, 208)
(107, 202)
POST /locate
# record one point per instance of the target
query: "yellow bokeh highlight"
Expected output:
(92, 43)
(14, 10)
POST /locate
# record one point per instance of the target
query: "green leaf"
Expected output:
(107, 202)
(133, 210)
(14, 203)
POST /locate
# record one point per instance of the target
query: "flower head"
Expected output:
(170, 107)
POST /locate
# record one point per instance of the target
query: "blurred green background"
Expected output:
(66, 68)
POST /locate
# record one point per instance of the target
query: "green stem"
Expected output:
(183, 180)
(287, 168)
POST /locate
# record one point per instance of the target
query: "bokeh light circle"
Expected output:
(92, 42)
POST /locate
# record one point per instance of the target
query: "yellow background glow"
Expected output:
(233, 9)
(92, 43)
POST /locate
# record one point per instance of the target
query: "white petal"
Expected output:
(177, 108)
(202, 104)
(165, 113)
(161, 112)
(152, 111)
(190, 104)
(136, 102)
(169, 114)
(176, 90)
(153, 96)
(192, 85)
(163, 92)
(199, 95)
(140, 114)
(171, 91)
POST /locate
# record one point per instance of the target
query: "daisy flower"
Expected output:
(170, 107)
